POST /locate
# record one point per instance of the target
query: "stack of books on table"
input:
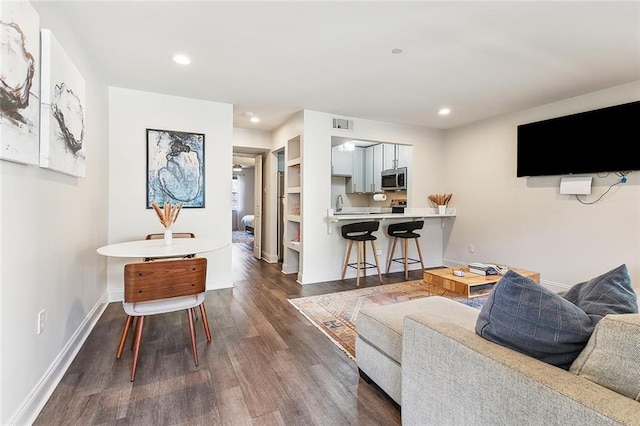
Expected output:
(483, 269)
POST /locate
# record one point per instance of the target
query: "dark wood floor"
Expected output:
(266, 364)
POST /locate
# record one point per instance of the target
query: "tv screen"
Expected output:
(597, 141)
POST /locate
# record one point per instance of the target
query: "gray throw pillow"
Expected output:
(525, 316)
(612, 355)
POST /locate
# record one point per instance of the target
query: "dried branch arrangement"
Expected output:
(168, 214)
(440, 199)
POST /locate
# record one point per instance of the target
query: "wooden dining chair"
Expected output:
(152, 288)
(160, 236)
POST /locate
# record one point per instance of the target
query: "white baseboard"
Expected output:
(554, 286)
(550, 285)
(28, 411)
(269, 258)
(336, 273)
(116, 296)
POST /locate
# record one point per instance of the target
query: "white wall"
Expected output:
(322, 252)
(525, 222)
(130, 114)
(251, 138)
(50, 227)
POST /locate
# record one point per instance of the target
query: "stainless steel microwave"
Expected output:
(394, 179)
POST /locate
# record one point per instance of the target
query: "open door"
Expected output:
(257, 211)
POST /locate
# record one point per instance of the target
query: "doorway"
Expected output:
(246, 201)
(242, 200)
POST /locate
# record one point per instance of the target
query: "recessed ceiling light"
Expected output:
(444, 111)
(347, 146)
(252, 117)
(181, 59)
(397, 51)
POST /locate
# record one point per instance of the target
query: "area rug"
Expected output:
(241, 237)
(335, 314)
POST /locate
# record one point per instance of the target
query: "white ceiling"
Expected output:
(479, 58)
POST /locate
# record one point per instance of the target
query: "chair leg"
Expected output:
(346, 259)
(375, 257)
(359, 260)
(419, 253)
(364, 258)
(136, 350)
(205, 321)
(393, 248)
(405, 249)
(123, 338)
(192, 332)
(135, 327)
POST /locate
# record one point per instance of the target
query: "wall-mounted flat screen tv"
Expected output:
(598, 141)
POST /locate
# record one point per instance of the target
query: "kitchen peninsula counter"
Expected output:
(384, 213)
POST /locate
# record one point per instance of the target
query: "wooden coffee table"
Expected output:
(471, 285)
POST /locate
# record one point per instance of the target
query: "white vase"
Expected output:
(442, 209)
(168, 237)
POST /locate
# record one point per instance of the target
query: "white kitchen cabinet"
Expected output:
(396, 156)
(373, 166)
(356, 184)
(403, 155)
(388, 156)
(342, 162)
(368, 167)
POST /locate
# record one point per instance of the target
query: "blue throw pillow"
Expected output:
(525, 316)
(610, 293)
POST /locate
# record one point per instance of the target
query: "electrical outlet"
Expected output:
(41, 318)
(378, 252)
(472, 248)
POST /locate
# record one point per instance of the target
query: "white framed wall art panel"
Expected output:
(62, 115)
(19, 82)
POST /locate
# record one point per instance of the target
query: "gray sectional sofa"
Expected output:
(426, 355)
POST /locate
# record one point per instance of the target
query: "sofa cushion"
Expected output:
(610, 293)
(381, 326)
(525, 316)
(612, 355)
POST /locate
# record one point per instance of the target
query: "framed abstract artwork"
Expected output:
(63, 110)
(19, 82)
(175, 168)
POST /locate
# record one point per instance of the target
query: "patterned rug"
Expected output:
(335, 314)
(241, 237)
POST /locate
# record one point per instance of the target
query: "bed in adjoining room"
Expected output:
(247, 223)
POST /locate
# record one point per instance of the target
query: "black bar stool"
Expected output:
(361, 232)
(405, 230)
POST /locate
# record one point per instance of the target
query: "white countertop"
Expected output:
(350, 213)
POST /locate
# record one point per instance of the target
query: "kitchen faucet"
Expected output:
(339, 203)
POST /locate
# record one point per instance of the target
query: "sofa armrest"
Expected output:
(452, 376)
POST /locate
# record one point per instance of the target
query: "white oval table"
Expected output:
(156, 248)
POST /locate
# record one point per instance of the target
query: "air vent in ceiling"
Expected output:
(342, 124)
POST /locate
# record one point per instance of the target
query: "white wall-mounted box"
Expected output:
(576, 185)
